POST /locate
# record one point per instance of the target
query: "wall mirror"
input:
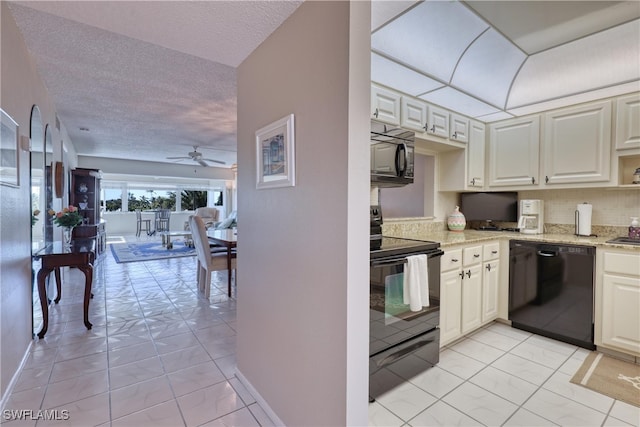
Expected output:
(48, 184)
(38, 208)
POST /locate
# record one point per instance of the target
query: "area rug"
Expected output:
(613, 377)
(148, 251)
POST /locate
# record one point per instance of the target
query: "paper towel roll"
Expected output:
(583, 219)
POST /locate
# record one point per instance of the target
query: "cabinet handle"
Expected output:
(494, 252)
(546, 179)
(426, 127)
(469, 273)
(454, 260)
(433, 129)
(461, 274)
(473, 181)
(476, 255)
(455, 135)
(488, 267)
(533, 180)
(375, 114)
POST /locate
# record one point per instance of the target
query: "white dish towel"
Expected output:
(415, 290)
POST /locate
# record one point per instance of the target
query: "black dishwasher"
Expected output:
(551, 290)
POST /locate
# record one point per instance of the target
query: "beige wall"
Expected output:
(302, 251)
(21, 87)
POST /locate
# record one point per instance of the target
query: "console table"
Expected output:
(81, 253)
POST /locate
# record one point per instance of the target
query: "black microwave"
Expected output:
(392, 155)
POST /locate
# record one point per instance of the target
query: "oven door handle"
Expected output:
(388, 262)
(402, 353)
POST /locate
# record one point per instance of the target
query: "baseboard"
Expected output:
(14, 379)
(263, 403)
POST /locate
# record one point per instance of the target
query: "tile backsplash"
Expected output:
(610, 206)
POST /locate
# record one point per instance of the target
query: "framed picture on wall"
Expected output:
(9, 148)
(275, 154)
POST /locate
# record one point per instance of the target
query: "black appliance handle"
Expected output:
(403, 258)
(547, 254)
(401, 159)
(401, 353)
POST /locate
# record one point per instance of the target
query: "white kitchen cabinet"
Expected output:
(463, 169)
(628, 122)
(459, 128)
(469, 291)
(475, 155)
(385, 105)
(413, 114)
(577, 144)
(514, 152)
(619, 322)
(438, 121)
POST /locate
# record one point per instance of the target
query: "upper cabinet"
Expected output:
(438, 122)
(413, 114)
(577, 144)
(459, 127)
(463, 169)
(385, 105)
(628, 122)
(513, 152)
(475, 155)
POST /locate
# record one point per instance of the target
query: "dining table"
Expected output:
(227, 238)
(79, 253)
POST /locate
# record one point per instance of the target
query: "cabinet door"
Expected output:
(577, 144)
(490, 276)
(450, 297)
(413, 114)
(513, 152)
(459, 128)
(385, 105)
(621, 312)
(471, 299)
(438, 122)
(628, 122)
(475, 155)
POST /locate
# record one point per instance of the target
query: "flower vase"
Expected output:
(456, 220)
(67, 233)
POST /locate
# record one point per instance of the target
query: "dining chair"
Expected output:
(142, 224)
(208, 261)
(163, 216)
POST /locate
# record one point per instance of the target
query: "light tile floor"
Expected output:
(499, 376)
(158, 355)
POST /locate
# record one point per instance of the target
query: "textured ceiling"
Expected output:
(148, 79)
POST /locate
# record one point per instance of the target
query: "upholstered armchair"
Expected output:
(209, 215)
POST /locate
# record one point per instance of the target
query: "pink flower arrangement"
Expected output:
(67, 217)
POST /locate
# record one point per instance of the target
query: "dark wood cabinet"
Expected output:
(85, 195)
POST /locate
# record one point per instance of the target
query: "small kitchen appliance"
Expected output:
(531, 216)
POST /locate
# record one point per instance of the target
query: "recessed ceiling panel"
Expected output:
(430, 37)
(601, 60)
(392, 74)
(501, 115)
(488, 67)
(383, 11)
(457, 101)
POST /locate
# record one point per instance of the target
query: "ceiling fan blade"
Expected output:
(202, 162)
(178, 158)
(215, 161)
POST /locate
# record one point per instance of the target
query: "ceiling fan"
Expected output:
(196, 156)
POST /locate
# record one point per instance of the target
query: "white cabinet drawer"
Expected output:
(451, 260)
(472, 255)
(491, 251)
(628, 264)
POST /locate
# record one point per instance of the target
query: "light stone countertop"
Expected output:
(451, 238)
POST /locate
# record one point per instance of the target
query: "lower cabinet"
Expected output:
(619, 319)
(469, 289)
